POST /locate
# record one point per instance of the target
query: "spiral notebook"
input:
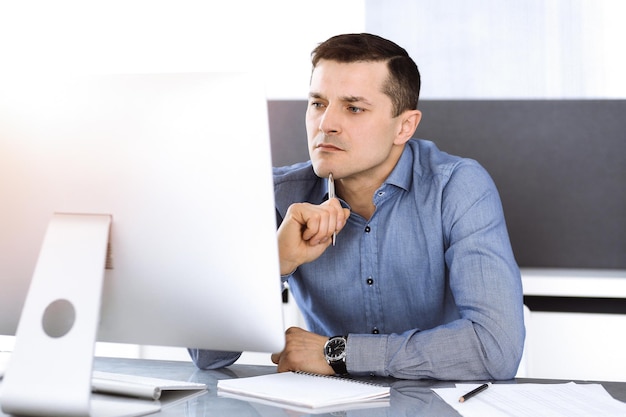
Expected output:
(304, 391)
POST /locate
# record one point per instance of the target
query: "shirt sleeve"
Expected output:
(212, 359)
(486, 341)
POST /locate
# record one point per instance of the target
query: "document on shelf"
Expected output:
(306, 392)
(532, 400)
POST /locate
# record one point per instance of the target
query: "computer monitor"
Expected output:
(151, 194)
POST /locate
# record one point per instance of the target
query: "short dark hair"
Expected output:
(403, 84)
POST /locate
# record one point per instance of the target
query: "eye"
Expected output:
(354, 109)
(317, 104)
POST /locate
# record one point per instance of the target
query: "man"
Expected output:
(421, 281)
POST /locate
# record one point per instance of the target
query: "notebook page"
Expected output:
(532, 400)
(304, 390)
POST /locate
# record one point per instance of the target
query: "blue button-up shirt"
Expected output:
(427, 287)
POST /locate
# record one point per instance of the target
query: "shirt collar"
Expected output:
(401, 175)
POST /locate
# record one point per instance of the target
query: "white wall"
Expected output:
(274, 37)
(503, 49)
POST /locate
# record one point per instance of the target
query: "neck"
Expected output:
(359, 197)
(358, 190)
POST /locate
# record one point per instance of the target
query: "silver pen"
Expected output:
(331, 194)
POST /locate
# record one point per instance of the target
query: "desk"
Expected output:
(408, 398)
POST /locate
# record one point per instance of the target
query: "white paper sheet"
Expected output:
(532, 400)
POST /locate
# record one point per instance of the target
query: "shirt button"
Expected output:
(375, 331)
(367, 229)
(370, 281)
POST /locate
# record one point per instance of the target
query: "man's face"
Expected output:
(350, 128)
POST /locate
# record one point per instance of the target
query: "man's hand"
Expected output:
(304, 351)
(306, 232)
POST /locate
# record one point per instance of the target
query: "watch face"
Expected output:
(335, 349)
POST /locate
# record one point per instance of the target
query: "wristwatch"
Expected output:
(335, 353)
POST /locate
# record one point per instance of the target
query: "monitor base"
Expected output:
(50, 369)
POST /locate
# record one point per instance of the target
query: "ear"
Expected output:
(409, 120)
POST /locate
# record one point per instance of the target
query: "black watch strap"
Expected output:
(339, 367)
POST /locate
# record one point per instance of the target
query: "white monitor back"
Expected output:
(182, 164)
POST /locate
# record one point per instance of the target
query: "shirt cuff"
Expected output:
(366, 354)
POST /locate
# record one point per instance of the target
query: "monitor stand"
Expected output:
(49, 373)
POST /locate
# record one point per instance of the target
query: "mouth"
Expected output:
(327, 147)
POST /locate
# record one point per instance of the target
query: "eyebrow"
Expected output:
(345, 99)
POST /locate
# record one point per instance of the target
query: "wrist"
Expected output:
(287, 269)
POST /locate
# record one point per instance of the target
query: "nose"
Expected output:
(330, 121)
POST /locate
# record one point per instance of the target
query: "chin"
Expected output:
(323, 165)
(322, 171)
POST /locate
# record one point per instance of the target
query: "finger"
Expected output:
(320, 225)
(283, 366)
(343, 218)
(339, 214)
(315, 227)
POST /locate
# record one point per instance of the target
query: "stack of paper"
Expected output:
(532, 400)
